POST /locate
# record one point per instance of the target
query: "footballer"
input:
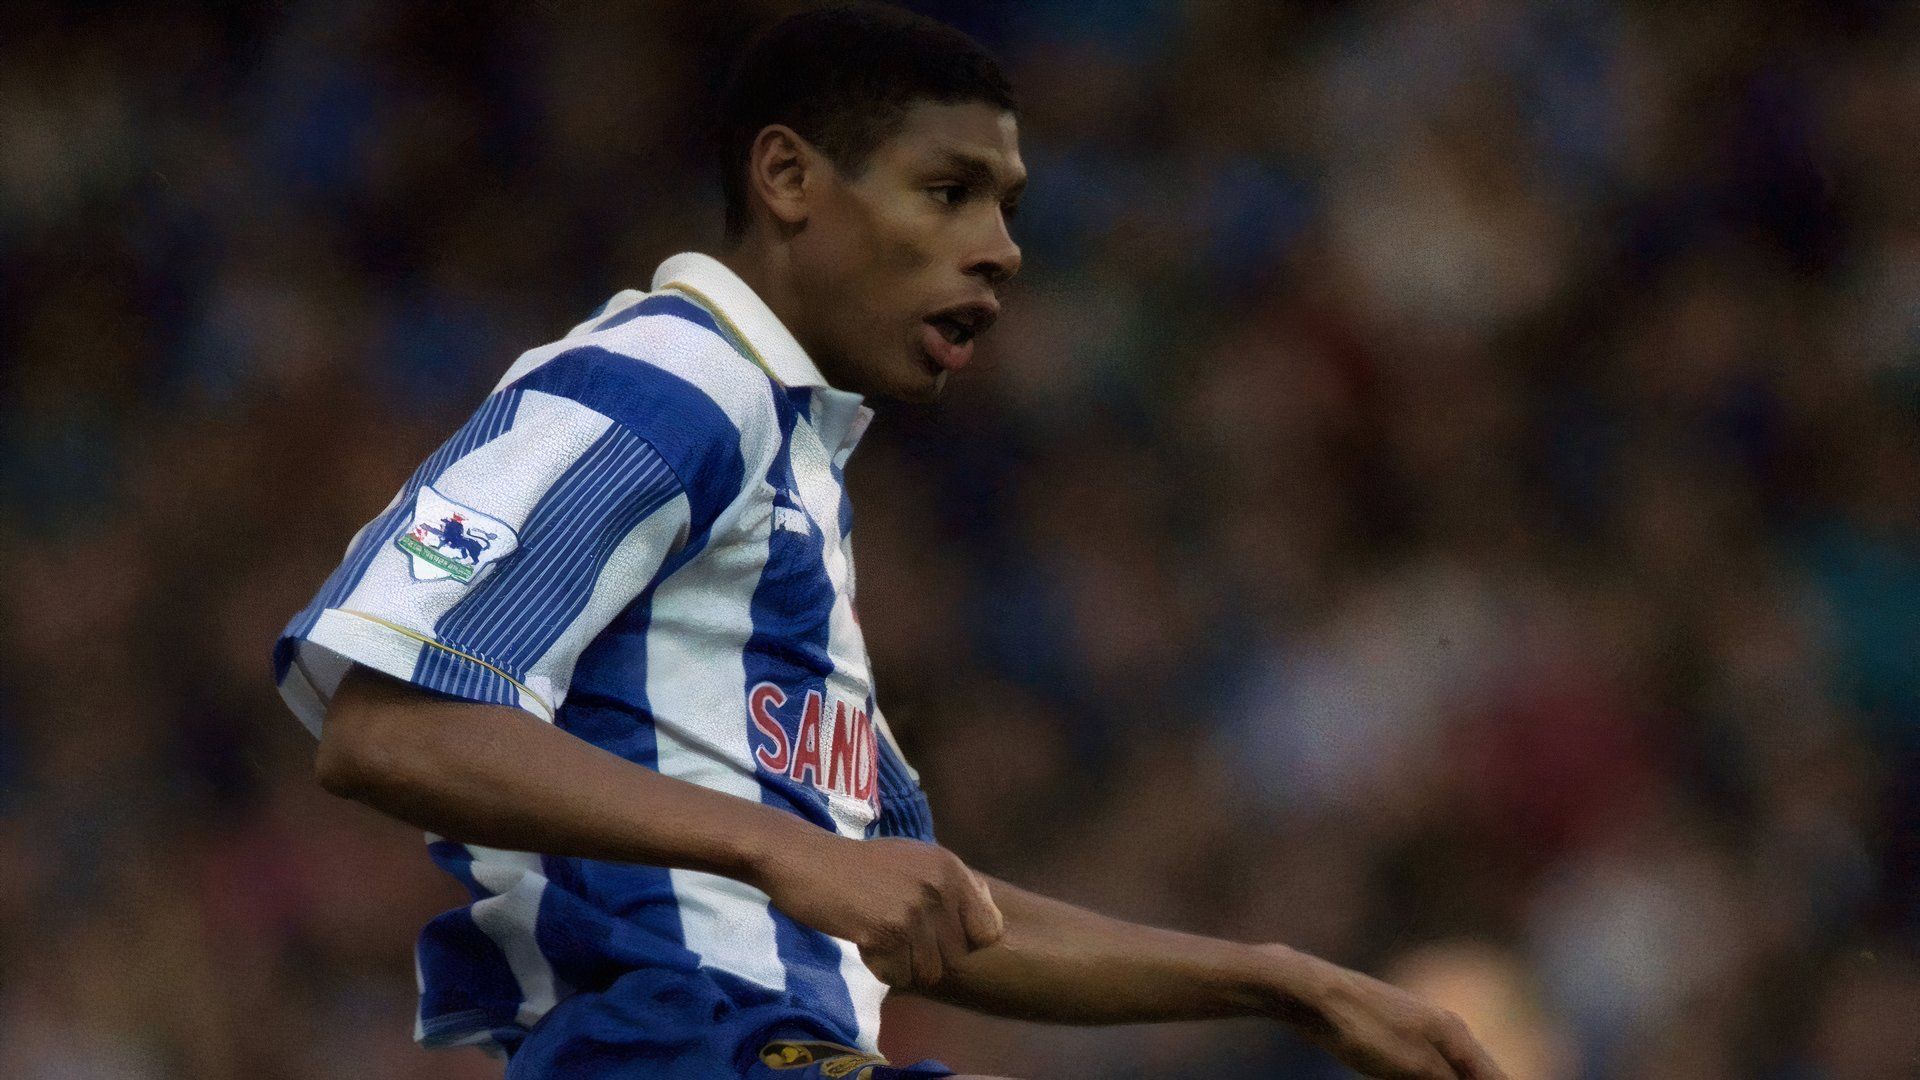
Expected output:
(602, 644)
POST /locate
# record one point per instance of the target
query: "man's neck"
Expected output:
(765, 269)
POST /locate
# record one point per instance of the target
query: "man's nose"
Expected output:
(1000, 262)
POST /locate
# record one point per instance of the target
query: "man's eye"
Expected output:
(951, 194)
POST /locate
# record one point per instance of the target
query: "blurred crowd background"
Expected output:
(1445, 495)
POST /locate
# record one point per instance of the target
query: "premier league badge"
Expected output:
(448, 540)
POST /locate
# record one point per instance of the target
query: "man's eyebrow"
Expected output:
(976, 171)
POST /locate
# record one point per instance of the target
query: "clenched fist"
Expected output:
(914, 909)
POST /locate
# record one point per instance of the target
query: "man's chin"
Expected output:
(929, 391)
(922, 388)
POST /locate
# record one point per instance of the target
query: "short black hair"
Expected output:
(843, 77)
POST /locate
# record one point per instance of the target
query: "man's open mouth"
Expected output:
(959, 325)
(947, 335)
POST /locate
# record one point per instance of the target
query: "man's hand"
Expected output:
(1381, 1030)
(914, 909)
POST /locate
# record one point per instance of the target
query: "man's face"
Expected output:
(900, 262)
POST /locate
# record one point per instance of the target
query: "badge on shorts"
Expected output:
(448, 540)
(835, 1061)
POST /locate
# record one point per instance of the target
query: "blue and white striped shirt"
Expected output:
(641, 536)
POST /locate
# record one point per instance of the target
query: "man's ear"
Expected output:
(784, 171)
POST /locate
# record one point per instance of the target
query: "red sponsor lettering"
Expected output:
(867, 762)
(806, 743)
(844, 759)
(840, 765)
(761, 702)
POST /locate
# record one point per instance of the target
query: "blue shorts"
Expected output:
(659, 1024)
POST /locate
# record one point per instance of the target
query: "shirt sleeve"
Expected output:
(513, 546)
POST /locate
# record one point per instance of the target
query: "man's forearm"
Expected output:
(503, 778)
(499, 777)
(1062, 964)
(919, 916)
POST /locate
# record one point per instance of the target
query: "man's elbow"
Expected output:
(361, 756)
(372, 740)
(347, 766)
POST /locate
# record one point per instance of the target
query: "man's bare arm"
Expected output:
(500, 777)
(497, 776)
(1062, 964)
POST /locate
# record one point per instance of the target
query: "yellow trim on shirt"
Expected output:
(714, 310)
(425, 640)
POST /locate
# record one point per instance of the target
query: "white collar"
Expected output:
(838, 416)
(734, 303)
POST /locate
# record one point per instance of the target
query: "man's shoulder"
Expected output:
(652, 359)
(658, 365)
